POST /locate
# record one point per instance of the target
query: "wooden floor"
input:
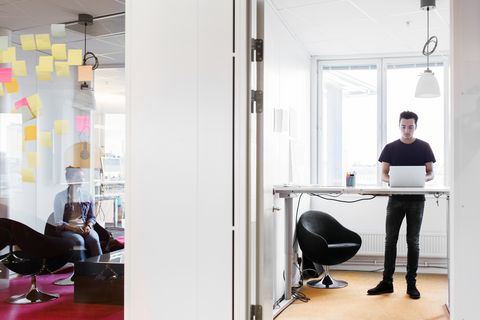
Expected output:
(353, 302)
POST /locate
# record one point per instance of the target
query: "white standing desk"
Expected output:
(288, 192)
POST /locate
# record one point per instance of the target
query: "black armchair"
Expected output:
(38, 253)
(326, 242)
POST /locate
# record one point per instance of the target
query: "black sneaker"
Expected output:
(412, 291)
(381, 288)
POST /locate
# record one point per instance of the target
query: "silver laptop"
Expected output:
(407, 176)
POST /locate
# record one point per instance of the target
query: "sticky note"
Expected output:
(61, 127)
(85, 73)
(28, 42)
(42, 74)
(9, 55)
(32, 159)
(45, 63)
(5, 74)
(21, 103)
(58, 30)
(1, 89)
(62, 69)
(19, 68)
(11, 86)
(30, 133)
(35, 103)
(82, 123)
(27, 175)
(59, 51)
(75, 57)
(45, 139)
(3, 42)
(43, 41)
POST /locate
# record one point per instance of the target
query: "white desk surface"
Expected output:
(363, 190)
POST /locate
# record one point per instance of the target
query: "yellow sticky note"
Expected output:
(28, 42)
(85, 73)
(11, 86)
(62, 69)
(35, 104)
(9, 55)
(61, 127)
(19, 68)
(27, 175)
(46, 63)
(32, 159)
(1, 90)
(30, 133)
(43, 41)
(75, 57)
(59, 51)
(43, 74)
(45, 139)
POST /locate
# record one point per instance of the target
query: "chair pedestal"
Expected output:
(34, 295)
(327, 282)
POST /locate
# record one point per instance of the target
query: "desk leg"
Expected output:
(288, 247)
(115, 212)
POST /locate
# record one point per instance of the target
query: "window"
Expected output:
(358, 108)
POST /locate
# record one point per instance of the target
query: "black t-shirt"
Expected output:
(398, 153)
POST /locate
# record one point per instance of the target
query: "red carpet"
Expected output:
(61, 308)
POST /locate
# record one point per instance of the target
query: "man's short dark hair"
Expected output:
(408, 115)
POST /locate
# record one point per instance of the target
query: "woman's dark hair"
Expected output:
(408, 115)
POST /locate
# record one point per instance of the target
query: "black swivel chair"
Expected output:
(326, 242)
(37, 253)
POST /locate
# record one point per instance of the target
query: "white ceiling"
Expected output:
(364, 27)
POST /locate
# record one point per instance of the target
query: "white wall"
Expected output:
(465, 219)
(179, 168)
(286, 151)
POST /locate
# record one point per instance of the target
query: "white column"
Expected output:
(465, 217)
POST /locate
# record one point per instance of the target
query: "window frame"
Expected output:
(382, 63)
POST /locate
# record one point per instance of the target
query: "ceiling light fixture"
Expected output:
(85, 71)
(427, 86)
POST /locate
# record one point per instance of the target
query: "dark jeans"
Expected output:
(397, 209)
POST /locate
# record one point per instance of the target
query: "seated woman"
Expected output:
(74, 214)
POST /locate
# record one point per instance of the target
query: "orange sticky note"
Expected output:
(85, 73)
(30, 133)
(12, 86)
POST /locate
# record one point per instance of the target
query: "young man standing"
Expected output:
(406, 151)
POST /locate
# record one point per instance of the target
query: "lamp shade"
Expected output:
(427, 86)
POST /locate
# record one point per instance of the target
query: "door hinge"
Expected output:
(257, 50)
(257, 99)
(255, 312)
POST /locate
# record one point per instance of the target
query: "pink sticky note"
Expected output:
(21, 103)
(82, 123)
(5, 74)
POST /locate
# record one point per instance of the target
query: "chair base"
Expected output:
(327, 282)
(66, 281)
(32, 296)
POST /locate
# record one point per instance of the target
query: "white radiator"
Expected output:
(431, 245)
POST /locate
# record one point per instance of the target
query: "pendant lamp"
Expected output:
(427, 86)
